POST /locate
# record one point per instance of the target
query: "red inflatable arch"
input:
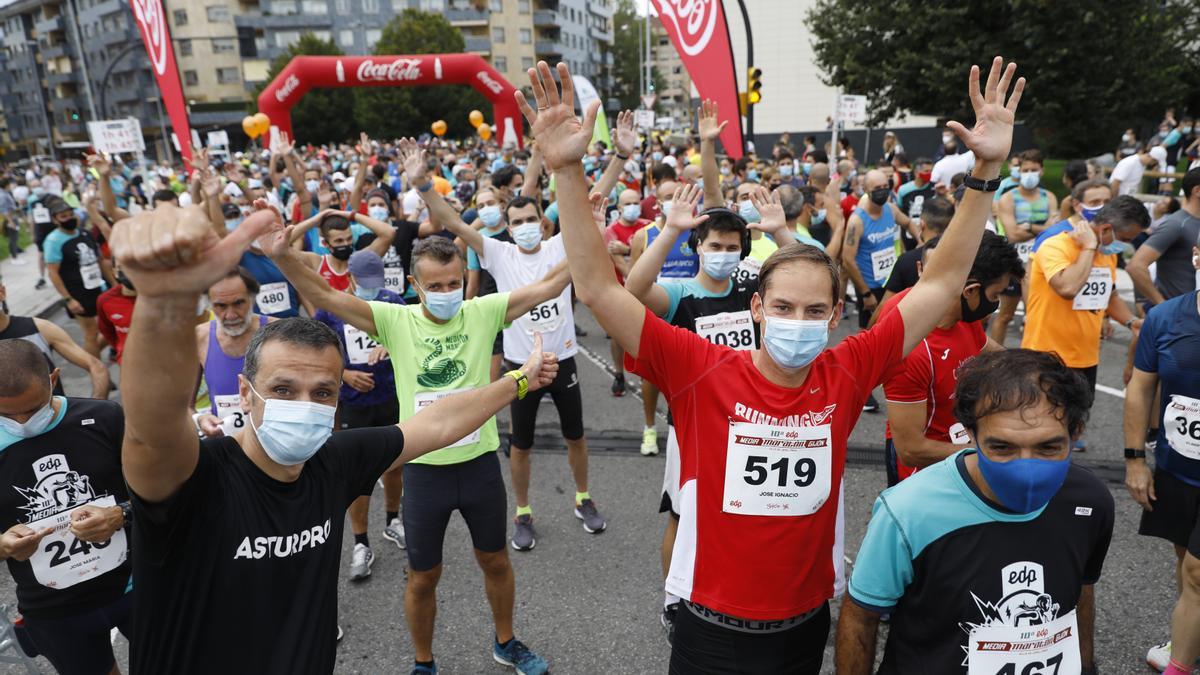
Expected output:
(306, 72)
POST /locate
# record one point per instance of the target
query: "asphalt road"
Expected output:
(590, 603)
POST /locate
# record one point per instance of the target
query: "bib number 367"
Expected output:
(775, 470)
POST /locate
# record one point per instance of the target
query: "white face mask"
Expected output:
(36, 425)
(630, 212)
(378, 212)
(528, 235)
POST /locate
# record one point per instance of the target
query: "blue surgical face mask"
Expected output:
(1024, 485)
(665, 209)
(378, 213)
(232, 223)
(443, 306)
(528, 235)
(794, 343)
(490, 215)
(786, 170)
(366, 293)
(312, 185)
(1089, 212)
(1030, 179)
(36, 425)
(752, 175)
(748, 212)
(630, 212)
(807, 168)
(720, 265)
(818, 217)
(292, 432)
(658, 156)
(1115, 248)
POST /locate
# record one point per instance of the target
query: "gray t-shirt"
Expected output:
(1174, 238)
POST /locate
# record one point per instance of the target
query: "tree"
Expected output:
(390, 112)
(323, 115)
(628, 51)
(1094, 68)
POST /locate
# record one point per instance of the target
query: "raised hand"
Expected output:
(173, 251)
(96, 524)
(412, 156)
(709, 126)
(20, 542)
(991, 137)
(541, 367)
(770, 208)
(683, 208)
(599, 209)
(100, 163)
(275, 239)
(1084, 236)
(563, 138)
(625, 139)
(211, 182)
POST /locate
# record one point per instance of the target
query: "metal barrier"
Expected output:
(10, 650)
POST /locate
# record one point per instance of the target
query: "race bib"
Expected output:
(747, 270)
(359, 345)
(1181, 425)
(424, 398)
(545, 318)
(62, 560)
(882, 262)
(1050, 648)
(1095, 292)
(393, 279)
(274, 298)
(1025, 249)
(229, 411)
(92, 278)
(958, 434)
(776, 471)
(731, 329)
(41, 214)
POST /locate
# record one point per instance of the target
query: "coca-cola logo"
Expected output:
(490, 83)
(400, 69)
(289, 85)
(694, 21)
(149, 14)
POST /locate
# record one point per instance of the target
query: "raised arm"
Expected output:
(103, 166)
(642, 275)
(772, 220)
(625, 141)
(360, 176)
(943, 278)
(710, 130)
(61, 342)
(384, 233)
(171, 255)
(564, 141)
(526, 298)
(296, 172)
(531, 188)
(836, 220)
(440, 212)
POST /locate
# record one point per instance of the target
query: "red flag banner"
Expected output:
(156, 35)
(701, 36)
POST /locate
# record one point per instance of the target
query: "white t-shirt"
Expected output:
(414, 208)
(1129, 171)
(512, 268)
(950, 166)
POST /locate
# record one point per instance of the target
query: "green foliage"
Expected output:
(390, 112)
(629, 33)
(1094, 68)
(323, 115)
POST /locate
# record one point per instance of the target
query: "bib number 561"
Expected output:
(757, 471)
(1050, 667)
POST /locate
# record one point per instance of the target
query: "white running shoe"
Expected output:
(649, 441)
(360, 562)
(1159, 656)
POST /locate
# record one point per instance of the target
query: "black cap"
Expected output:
(55, 204)
(231, 210)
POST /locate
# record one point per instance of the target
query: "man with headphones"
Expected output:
(711, 304)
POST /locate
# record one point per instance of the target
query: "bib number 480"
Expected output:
(1050, 667)
(757, 471)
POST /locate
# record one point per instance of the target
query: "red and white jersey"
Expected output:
(929, 374)
(338, 282)
(761, 522)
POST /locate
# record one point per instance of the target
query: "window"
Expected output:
(526, 62)
(217, 13)
(228, 76)
(522, 6)
(500, 63)
(526, 36)
(185, 47)
(190, 78)
(314, 7)
(346, 38)
(496, 5)
(181, 17)
(286, 38)
(342, 7)
(373, 36)
(224, 45)
(283, 7)
(498, 34)
(322, 35)
(433, 5)
(371, 6)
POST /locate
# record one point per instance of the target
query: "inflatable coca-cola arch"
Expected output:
(306, 72)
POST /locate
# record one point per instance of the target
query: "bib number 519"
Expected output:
(757, 470)
(1050, 667)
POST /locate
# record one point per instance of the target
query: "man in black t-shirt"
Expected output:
(238, 548)
(986, 560)
(65, 513)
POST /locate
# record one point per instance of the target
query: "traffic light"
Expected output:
(754, 86)
(72, 115)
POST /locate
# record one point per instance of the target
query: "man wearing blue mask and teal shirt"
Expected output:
(986, 561)
(763, 432)
(259, 515)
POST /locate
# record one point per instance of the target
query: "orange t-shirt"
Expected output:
(1052, 324)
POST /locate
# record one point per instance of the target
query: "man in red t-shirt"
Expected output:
(617, 237)
(762, 433)
(114, 312)
(921, 428)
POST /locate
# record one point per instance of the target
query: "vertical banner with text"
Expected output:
(701, 36)
(156, 35)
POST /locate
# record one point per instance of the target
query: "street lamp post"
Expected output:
(41, 98)
(749, 140)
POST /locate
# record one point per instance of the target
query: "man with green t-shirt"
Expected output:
(439, 347)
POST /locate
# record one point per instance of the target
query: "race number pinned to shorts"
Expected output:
(359, 345)
(62, 560)
(424, 398)
(1050, 648)
(91, 276)
(731, 329)
(1181, 424)
(274, 298)
(882, 262)
(1095, 292)
(545, 318)
(1024, 250)
(229, 411)
(776, 471)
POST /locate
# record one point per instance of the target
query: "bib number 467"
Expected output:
(1050, 667)
(758, 470)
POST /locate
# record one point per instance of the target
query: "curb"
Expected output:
(51, 308)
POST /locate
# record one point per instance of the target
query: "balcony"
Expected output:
(600, 35)
(478, 44)
(44, 26)
(545, 18)
(117, 37)
(55, 79)
(467, 17)
(600, 8)
(547, 48)
(298, 21)
(551, 5)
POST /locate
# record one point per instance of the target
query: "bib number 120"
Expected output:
(757, 470)
(1050, 667)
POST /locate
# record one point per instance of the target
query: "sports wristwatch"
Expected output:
(1135, 453)
(980, 184)
(522, 383)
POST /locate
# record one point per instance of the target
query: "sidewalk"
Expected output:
(19, 281)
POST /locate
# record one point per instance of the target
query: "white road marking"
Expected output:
(603, 364)
(1119, 393)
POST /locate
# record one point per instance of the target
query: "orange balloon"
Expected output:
(439, 127)
(263, 122)
(250, 126)
(476, 118)
(485, 131)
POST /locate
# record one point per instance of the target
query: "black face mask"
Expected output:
(69, 224)
(124, 281)
(983, 311)
(342, 252)
(880, 196)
